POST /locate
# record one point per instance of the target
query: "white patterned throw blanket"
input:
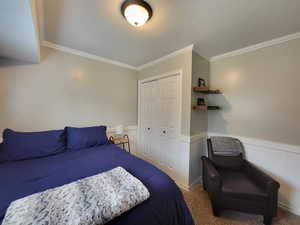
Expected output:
(93, 200)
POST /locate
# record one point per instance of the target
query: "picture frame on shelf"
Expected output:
(201, 82)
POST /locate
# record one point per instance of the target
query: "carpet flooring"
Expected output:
(200, 207)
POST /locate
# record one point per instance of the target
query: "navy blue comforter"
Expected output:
(165, 206)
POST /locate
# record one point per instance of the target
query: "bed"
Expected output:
(165, 206)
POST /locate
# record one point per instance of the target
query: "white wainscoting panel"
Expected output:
(282, 162)
(180, 171)
(188, 169)
(197, 150)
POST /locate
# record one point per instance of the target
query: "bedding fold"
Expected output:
(93, 200)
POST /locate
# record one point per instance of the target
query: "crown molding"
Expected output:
(252, 48)
(102, 59)
(85, 54)
(178, 52)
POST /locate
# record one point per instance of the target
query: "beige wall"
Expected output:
(65, 89)
(199, 119)
(200, 68)
(182, 62)
(261, 90)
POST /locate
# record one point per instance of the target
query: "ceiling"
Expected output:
(19, 38)
(213, 26)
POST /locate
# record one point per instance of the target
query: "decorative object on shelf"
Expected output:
(202, 88)
(200, 101)
(206, 107)
(136, 12)
(201, 82)
(121, 141)
(206, 90)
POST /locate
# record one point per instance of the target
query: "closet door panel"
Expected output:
(160, 120)
(169, 119)
(147, 111)
(155, 148)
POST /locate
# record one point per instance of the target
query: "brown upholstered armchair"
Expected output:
(234, 183)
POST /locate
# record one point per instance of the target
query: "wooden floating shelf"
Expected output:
(205, 107)
(206, 90)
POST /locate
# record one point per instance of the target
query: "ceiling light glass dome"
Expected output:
(136, 12)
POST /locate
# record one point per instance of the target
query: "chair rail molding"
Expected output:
(193, 138)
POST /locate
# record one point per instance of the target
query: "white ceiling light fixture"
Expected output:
(136, 12)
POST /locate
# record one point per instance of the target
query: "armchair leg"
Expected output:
(267, 220)
(216, 211)
(204, 186)
(204, 180)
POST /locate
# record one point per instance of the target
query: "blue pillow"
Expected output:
(27, 145)
(86, 137)
(1, 160)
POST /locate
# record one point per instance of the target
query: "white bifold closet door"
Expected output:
(160, 120)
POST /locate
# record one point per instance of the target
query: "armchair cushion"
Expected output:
(225, 152)
(267, 182)
(238, 185)
(228, 162)
(226, 146)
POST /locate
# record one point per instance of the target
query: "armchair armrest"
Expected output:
(211, 170)
(211, 175)
(268, 183)
(261, 178)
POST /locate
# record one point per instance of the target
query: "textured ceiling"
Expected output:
(214, 26)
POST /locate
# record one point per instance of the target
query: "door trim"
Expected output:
(161, 76)
(153, 78)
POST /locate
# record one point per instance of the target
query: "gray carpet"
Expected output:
(200, 207)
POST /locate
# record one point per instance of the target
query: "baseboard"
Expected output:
(181, 186)
(289, 209)
(195, 182)
(191, 186)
